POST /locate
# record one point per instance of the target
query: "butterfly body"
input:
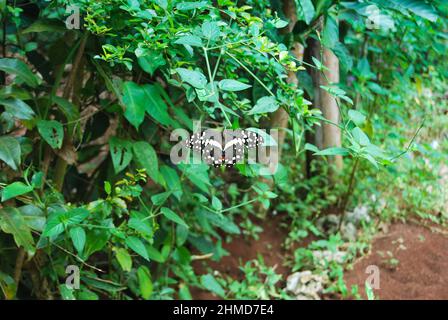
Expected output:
(214, 152)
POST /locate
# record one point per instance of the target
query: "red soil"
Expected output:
(422, 269)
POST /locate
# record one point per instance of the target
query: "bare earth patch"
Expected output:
(413, 264)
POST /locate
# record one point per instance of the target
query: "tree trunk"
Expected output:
(327, 135)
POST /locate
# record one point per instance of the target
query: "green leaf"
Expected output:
(7, 284)
(78, 236)
(330, 36)
(190, 40)
(216, 204)
(54, 225)
(418, 7)
(45, 25)
(136, 245)
(264, 105)
(210, 30)
(360, 137)
(154, 254)
(13, 222)
(305, 9)
(120, 152)
(124, 259)
(52, 132)
(138, 223)
(172, 180)
(145, 282)
(357, 117)
(135, 99)
(171, 215)
(58, 220)
(184, 6)
(146, 157)
(37, 179)
(66, 292)
(156, 106)
(15, 189)
(18, 109)
(68, 109)
(334, 151)
(10, 151)
(232, 85)
(209, 282)
(151, 61)
(160, 198)
(21, 70)
(194, 78)
(184, 292)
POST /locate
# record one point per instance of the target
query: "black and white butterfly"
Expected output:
(229, 151)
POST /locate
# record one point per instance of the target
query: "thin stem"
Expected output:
(349, 191)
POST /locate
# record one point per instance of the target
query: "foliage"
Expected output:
(86, 115)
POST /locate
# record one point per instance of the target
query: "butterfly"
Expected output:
(209, 144)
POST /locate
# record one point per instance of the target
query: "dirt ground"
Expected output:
(412, 260)
(420, 268)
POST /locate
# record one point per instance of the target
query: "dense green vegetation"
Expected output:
(86, 116)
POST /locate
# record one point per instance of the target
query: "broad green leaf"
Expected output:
(37, 179)
(418, 7)
(52, 132)
(156, 106)
(184, 292)
(18, 109)
(216, 204)
(120, 152)
(184, 6)
(181, 234)
(151, 61)
(172, 180)
(124, 259)
(54, 225)
(78, 236)
(305, 9)
(15, 189)
(13, 222)
(134, 99)
(190, 40)
(75, 216)
(357, 117)
(264, 105)
(66, 292)
(160, 198)
(195, 78)
(210, 30)
(209, 282)
(21, 70)
(7, 285)
(46, 25)
(57, 221)
(145, 282)
(136, 245)
(360, 137)
(171, 215)
(10, 151)
(146, 157)
(68, 109)
(330, 36)
(232, 85)
(334, 151)
(138, 223)
(34, 217)
(154, 254)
